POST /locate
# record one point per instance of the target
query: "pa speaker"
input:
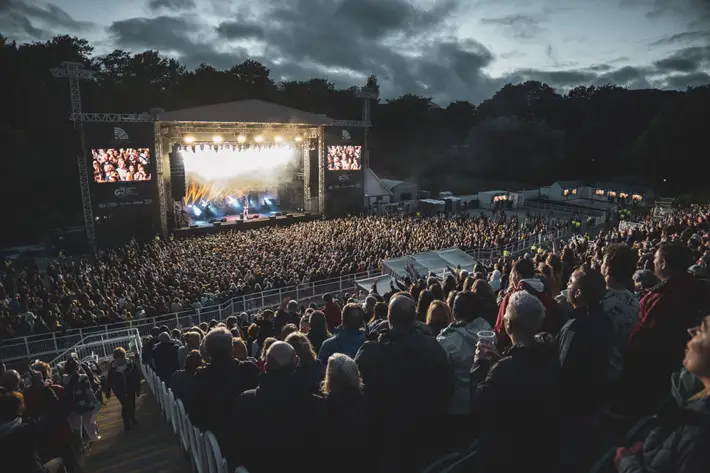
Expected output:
(289, 215)
(307, 214)
(217, 223)
(272, 217)
(177, 175)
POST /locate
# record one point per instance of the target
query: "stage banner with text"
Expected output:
(123, 179)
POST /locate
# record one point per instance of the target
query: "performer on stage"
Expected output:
(245, 205)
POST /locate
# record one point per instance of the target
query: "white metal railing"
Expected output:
(48, 345)
(102, 345)
(201, 448)
(37, 346)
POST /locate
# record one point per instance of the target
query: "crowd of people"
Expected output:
(172, 275)
(121, 165)
(48, 418)
(344, 158)
(537, 359)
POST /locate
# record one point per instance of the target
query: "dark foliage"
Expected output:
(526, 134)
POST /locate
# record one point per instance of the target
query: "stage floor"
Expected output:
(234, 222)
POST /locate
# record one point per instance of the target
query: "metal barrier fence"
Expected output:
(102, 345)
(46, 346)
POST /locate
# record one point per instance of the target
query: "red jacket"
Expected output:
(657, 343)
(537, 289)
(332, 315)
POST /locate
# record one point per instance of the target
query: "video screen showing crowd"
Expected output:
(121, 165)
(344, 158)
(551, 354)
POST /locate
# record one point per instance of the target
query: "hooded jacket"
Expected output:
(347, 341)
(535, 287)
(680, 443)
(459, 342)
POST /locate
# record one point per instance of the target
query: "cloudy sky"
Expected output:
(447, 49)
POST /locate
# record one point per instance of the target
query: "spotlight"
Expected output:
(241, 138)
(299, 139)
(259, 138)
(217, 139)
(278, 139)
(189, 139)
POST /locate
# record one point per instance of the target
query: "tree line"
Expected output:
(526, 135)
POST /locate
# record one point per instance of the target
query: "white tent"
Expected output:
(431, 261)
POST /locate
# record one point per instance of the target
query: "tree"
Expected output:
(526, 132)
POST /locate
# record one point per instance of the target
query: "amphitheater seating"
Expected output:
(201, 448)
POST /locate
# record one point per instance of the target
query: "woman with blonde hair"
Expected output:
(438, 317)
(346, 418)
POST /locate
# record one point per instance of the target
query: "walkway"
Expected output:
(150, 447)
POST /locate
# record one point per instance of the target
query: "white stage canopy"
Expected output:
(431, 261)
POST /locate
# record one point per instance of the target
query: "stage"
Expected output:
(234, 222)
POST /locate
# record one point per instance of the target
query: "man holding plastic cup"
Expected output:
(514, 393)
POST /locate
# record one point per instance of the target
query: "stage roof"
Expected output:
(246, 111)
(436, 261)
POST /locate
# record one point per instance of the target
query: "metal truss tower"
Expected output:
(76, 72)
(367, 95)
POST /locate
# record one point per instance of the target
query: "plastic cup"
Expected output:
(487, 338)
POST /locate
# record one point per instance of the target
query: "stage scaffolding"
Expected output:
(169, 134)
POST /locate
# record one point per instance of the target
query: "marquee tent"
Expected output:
(431, 261)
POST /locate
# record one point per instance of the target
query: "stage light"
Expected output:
(278, 139)
(217, 139)
(189, 139)
(298, 139)
(196, 210)
(241, 138)
(259, 138)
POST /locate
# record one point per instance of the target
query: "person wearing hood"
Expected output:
(495, 280)
(514, 394)
(459, 342)
(348, 338)
(523, 278)
(19, 441)
(124, 380)
(680, 440)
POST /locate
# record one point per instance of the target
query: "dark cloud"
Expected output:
(683, 38)
(404, 45)
(685, 60)
(522, 26)
(240, 29)
(683, 81)
(19, 19)
(174, 5)
(169, 34)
